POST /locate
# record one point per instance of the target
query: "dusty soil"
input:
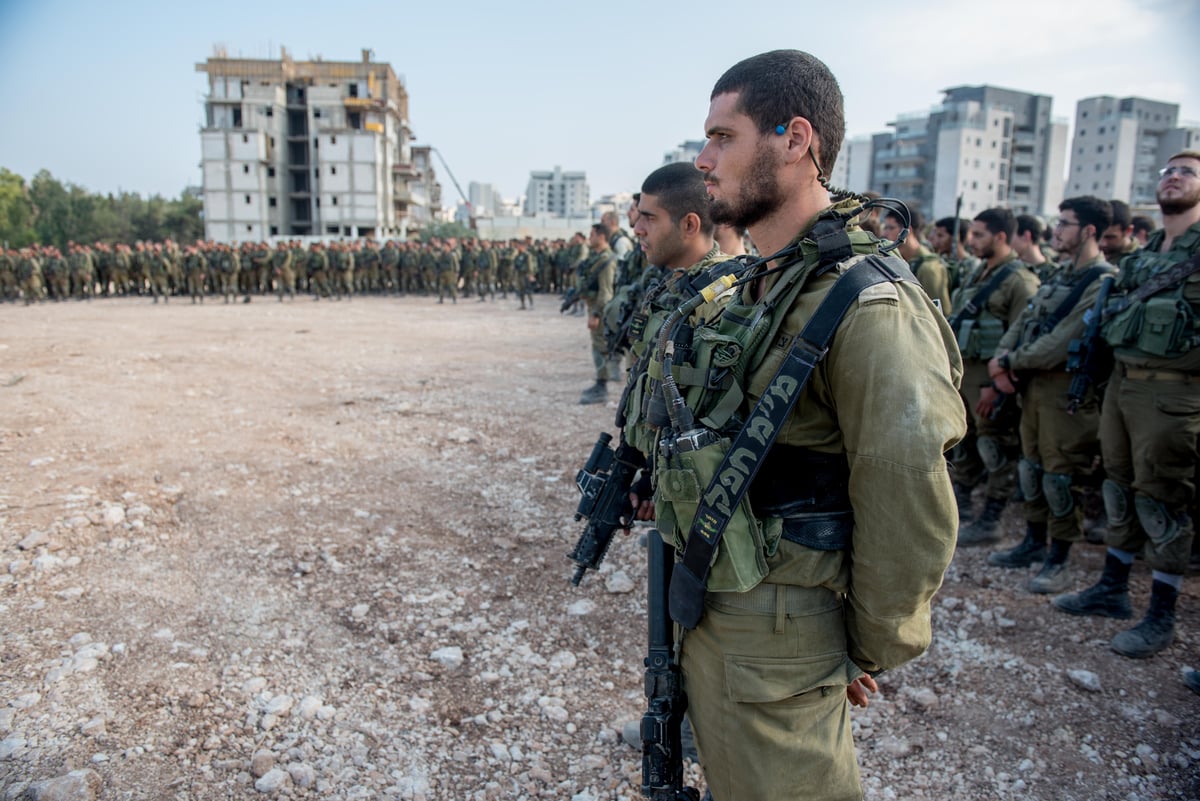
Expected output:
(317, 550)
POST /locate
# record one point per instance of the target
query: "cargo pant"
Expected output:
(1148, 435)
(766, 673)
(1060, 444)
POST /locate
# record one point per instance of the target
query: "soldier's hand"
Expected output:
(593, 322)
(987, 402)
(642, 509)
(1006, 383)
(858, 692)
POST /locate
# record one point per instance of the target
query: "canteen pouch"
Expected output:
(740, 559)
(1166, 323)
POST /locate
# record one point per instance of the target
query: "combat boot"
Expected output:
(983, 530)
(596, 393)
(1054, 576)
(1026, 552)
(1108, 597)
(1157, 629)
(962, 496)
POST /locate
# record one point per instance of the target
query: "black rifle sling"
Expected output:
(1155, 284)
(979, 300)
(745, 455)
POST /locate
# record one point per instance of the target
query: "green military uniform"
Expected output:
(58, 275)
(1152, 406)
(596, 289)
(766, 669)
(1058, 447)
(1148, 436)
(285, 276)
(83, 273)
(525, 268)
(932, 273)
(485, 266)
(429, 269)
(1125, 253)
(318, 272)
(195, 267)
(447, 274)
(992, 446)
(8, 275)
(389, 264)
(29, 276)
(506, 258)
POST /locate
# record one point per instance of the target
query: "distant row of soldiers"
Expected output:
(341, 269)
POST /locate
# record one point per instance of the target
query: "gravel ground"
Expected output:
(317, 550)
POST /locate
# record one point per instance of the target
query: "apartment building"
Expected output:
(306, 148)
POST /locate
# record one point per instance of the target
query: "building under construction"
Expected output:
(309, 148)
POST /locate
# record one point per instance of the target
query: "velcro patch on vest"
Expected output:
(878, 293)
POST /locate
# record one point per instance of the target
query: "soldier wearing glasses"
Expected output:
(1151, 417)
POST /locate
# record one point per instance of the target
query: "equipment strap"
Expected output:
(975, 304)
(745, 455)
(1064, 308)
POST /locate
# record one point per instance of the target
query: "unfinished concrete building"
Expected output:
(306, 148)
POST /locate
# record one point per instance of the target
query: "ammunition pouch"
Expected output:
(815, 509)
(740, 560)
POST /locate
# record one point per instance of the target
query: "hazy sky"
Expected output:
(107, 96)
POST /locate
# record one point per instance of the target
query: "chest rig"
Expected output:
(1165, 323)
(713, 445)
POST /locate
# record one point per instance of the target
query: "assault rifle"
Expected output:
(604, 481)
(662, 751)
(1087, 357)
(569, 299)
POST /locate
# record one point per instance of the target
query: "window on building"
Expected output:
(271, 202)
(1082, 132)
(317, 113)
(331, 229)
(354, 120)
(346, 230)
(249, 228)
(332, 170)
(274, 230)
(333, 140)
(1100, 148)
(1100, 131)
(247, 199)
(974, 184)
(353, 88)
(270, 112)
(270, 172)
(316, 142)
(237, 120)
(245, 169)
(318, 201)
(334, 200)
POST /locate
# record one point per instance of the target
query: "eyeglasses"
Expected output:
(1186, 172)
(1060, 223)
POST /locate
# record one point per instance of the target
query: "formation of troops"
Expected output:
(445, 268)
(1113, 462)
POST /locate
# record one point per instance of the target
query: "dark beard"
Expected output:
(759, 198)
(1179, 205)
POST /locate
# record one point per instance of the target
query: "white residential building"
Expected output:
(305, 148)
(562, 194)
(1120, 144)
(687, 151)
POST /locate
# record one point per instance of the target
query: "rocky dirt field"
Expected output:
(317, 550)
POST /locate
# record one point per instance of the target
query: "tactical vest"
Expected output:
(711, 367)
(979, 337)
(1165, 325)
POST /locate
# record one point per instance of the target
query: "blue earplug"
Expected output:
(781, 130)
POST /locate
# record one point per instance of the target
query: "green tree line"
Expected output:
(46, 211)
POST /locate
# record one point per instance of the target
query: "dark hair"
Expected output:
(637, 196)
(598, 228)
(679, 188)
(1027, 223)
(916, 222)
(1091, 210)
(947, 225)
(1120, 215)
(998, 221)
(1143, 223)
(774, 87)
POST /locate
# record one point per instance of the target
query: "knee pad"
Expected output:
(1160, 525)
(1057, 487)
(1029, 474)
(990, 451)
(1118, 502)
